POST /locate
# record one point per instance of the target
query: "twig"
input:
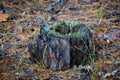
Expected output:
(100, 20)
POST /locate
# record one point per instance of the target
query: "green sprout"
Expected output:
(101, 11)
(113, 61)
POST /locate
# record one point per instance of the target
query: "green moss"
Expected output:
(72, 29)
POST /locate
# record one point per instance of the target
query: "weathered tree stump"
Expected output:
(62, 45)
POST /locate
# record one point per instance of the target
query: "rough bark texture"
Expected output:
(62, 45)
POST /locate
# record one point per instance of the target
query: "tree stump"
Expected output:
(62, 45)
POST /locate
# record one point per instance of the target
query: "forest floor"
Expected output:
(20, 21)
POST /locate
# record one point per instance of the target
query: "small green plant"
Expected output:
(101, 10)
(113, 61)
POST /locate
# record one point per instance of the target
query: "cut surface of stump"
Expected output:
(63, 45)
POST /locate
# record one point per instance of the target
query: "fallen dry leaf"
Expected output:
(3, 17)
